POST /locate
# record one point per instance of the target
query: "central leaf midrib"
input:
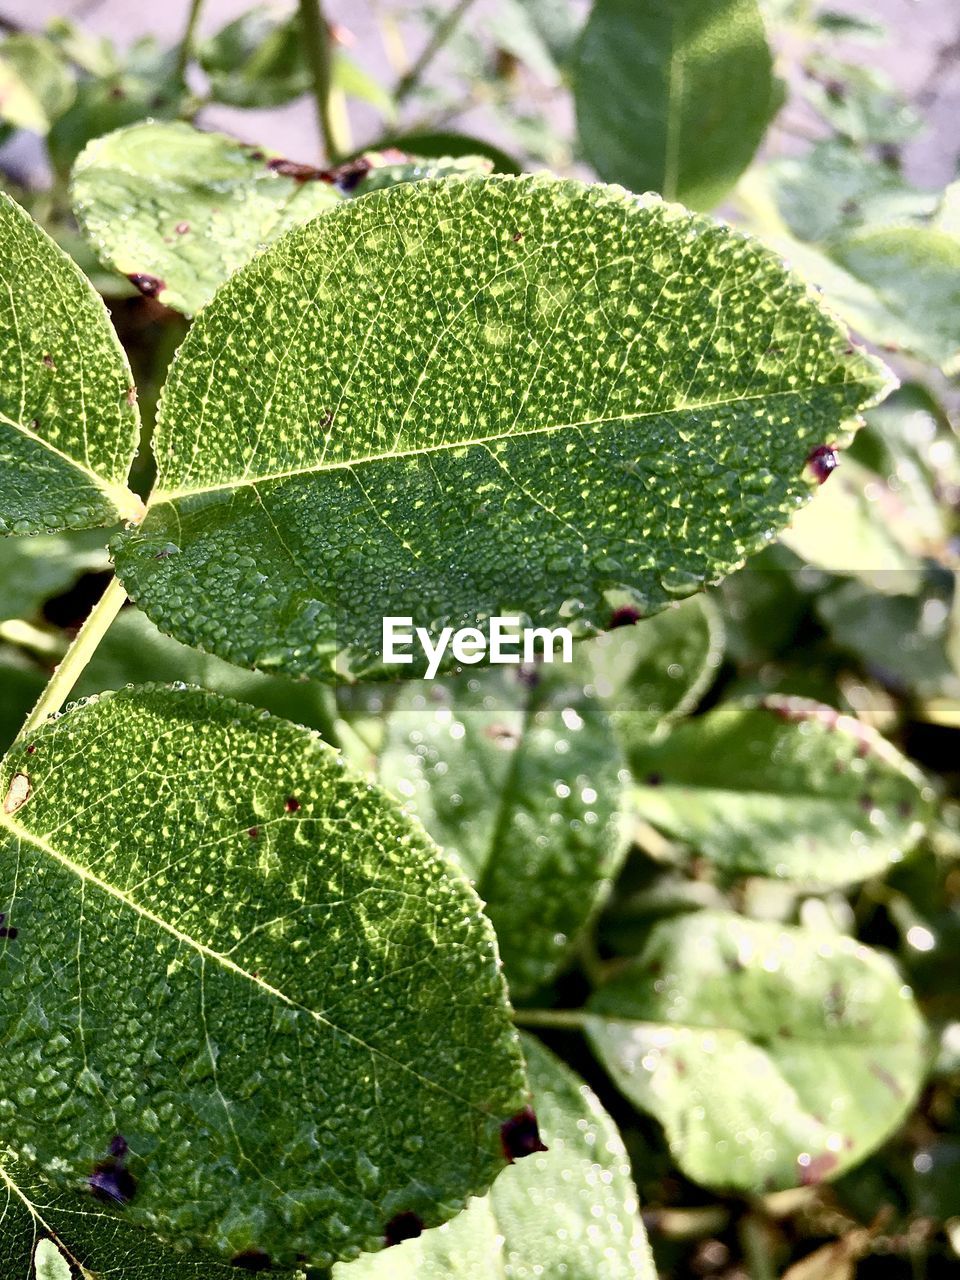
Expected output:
(173, 495)
(86, 875)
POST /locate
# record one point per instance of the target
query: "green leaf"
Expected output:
(99, 1243)
(68, 418)
(570, 1211)
(773, 1056)
(915, 272)
(472, 397)
(247, 963)
(673, 95)
(36, 85)
(519, 777)
(32, 570)
(350, 78)
(389, 168)
(135, 652)
(657, 670)
(178, 210)
(443, 145)
(256, 61)
(787, 788)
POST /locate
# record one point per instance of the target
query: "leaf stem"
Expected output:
(77, 656)
(189, 39)
(316, 35)
(444, 30)
(564, 1019)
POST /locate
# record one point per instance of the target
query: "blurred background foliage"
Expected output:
(783, 756)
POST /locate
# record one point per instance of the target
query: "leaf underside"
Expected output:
(474, 396)
(211, 917)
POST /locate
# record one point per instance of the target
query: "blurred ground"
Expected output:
(923, 58)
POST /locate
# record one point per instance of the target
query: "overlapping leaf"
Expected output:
(68, 418)
(786, 788)
(773, 1056)
(479, 396)
(673, 95)
(521, 778)
(228, 968)
(569, 1211)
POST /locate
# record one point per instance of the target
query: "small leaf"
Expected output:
(68, 422)
(178, 211)
(256, 61)
(569, 1211)
(674, 95)
(50, 1263)
(239, 968)
(472, 397)
(773, 1056)
(36, 85)
(522, 782)
(787, 788)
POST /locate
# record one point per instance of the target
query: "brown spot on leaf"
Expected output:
(624, 617)
(182, 228)
(253, 833)
(517, 237)
(18, 793)
(822, 461)
(403, 1226)
(520, 1136)
(298, 172)
(814, 1172)
(131, 396)
(112, 1183)
(48, 361)
(291, 804)
(886, 1079)
(252, 1260)
(349, 176)
(149, 286)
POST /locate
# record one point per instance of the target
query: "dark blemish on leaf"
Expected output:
(253, 833)
(886, 1079)
(785, 1032)
(517, 237)
(818, 1168)
(252, 1260)
(299, 172)
(904, 808)
(131, 396)
(528, 676)
(866, 802)
(164, 554)
(822, 461)
(118, 1146)
(34, 424)
(404, 1226)
(654, 779)
(182, 228)
(112, 1183)
(348, 176)
(48, 361)
(291, 804)
(149, 286)
(256, 155)
(118, 93)
(7, 931)
(31, 749)
(680, 1067)
(18, 793)
(836, 1002)
(624, 617)
(327, 420)
(520, 1136)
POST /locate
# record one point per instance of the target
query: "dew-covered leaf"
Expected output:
(915, 272)
(68, 416)
(786, 788)
(520, 778)
(99, 1243)
(773, 1056)
(480, 396)
(569, 1211)
(177, 210)
(244, 997)
(673, 95)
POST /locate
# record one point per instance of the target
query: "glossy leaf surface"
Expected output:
(773, 1056)
(603, 401)
(206, 915)
(68, 419)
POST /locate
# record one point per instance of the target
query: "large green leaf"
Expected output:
(68, 416)
(225, 948)
(567, 1212)
(478, 396)
(773, 1056)
(177, 210)
(785, 788)
(673, 95)
(521, 778)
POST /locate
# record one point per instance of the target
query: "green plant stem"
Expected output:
(316, 36)
(445, 29)
(563, 1019)
(77, 656)
(189, 37)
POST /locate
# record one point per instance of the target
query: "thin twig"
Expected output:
(189, 37)
(445, 29)
(316, 35)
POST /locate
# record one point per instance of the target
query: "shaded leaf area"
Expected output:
(652, 672)
(673, 95)
(773, 1056)
(205, 912)
(134, 652)
(569, 1211)
(788, 787)
(32, 570)
(177, 210)
(518, 774)
(68, 422)
(604, 402)
(21, 684)
(71, 1234)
